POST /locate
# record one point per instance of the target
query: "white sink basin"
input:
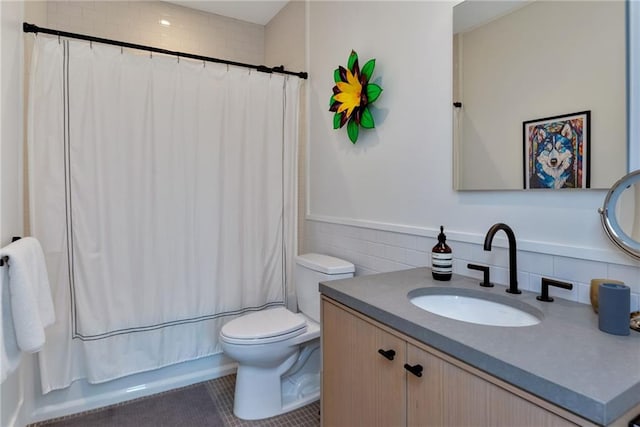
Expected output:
(477, 307)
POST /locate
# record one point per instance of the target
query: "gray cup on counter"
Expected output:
(615, 305)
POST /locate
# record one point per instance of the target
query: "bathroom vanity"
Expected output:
(387, 362)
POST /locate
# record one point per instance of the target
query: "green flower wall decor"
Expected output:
(352, 96)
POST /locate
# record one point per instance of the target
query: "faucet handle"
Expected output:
(485, 270)
(544, 295)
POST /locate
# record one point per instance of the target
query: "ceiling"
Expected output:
(469, 15)
(256, 11)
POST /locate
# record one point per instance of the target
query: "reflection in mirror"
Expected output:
(621, 214)
(628, 211)
(537, 59)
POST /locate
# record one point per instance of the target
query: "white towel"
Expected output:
(29, 292)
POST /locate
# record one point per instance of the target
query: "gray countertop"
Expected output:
(565, 359)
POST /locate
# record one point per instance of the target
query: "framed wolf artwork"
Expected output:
(556, 151)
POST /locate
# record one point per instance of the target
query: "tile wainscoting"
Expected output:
(377, 251)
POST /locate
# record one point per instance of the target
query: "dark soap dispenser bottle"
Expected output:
(441, 258)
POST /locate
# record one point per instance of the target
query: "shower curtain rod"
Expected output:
(31, 28)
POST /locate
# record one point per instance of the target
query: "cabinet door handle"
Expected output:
(415, 369)
(389, 354)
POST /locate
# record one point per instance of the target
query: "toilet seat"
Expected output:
(263, 327)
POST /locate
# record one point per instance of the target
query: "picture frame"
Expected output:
(556, 152)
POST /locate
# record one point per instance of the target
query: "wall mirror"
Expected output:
(621, 214)
(528, 61)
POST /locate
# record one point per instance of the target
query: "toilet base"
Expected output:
(261, 393)
(296, 394)
(301, 385)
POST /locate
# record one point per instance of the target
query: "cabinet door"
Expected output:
(425, 403)
(360, 387)
(447, 395)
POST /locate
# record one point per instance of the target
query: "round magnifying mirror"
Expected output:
(620, 214)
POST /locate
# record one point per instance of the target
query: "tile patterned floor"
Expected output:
(220, 392)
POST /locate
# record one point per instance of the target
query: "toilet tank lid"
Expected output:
(325, 264)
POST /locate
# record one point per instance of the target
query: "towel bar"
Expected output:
(5, 259)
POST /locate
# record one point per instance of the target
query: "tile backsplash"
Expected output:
(377, 251)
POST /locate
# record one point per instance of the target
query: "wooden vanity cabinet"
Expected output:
(362, 387)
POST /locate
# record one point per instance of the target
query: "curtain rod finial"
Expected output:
(29, 28)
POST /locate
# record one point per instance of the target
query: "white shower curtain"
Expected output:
(163, 193)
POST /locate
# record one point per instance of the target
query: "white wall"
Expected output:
(285, 44)
(379, 203)
(11, 125)
(191, 31)
(285, 37)
(389, 174)
(17, 390)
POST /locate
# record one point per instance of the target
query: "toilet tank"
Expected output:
(309, 271)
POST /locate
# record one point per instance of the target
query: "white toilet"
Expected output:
(278, 352)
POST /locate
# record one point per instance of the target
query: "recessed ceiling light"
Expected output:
(165, 22)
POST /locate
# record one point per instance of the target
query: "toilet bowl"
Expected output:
(278, 351)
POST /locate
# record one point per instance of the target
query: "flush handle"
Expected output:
(415, 369)
(485, 272)
(389, 354)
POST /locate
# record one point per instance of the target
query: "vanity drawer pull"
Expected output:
(389, 354)
(415, 369)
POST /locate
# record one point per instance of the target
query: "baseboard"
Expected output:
(82, 396)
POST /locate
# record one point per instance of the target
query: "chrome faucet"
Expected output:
(513, 268)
